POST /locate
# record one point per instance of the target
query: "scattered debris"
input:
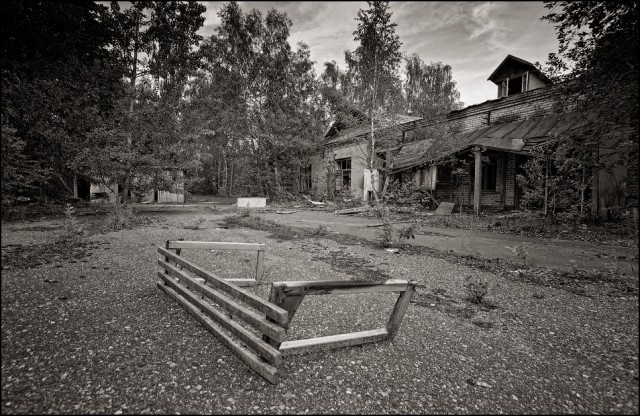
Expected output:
(286, 212)
(393, 250)
(445, 208)
(350, 211)
(394, 222)
(315, 202)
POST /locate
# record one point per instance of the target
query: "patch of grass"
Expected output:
(119, 218)
(477, 288)
(319, 231)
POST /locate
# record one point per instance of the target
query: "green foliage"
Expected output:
(598, 62)
(319, 231)
(18, 171)
(430, 89)
(406, 233)
(554, 184)
(253, 107)
(121, 217)
(477, 288)
(72, 230)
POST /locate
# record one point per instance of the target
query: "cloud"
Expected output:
(472, 37)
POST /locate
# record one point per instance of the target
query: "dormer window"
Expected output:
(515, 76)
(515, 85)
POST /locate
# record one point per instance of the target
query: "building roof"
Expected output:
(395, 120)
(523, 136)
(509, 59)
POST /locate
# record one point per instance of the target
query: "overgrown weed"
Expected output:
(477, 288)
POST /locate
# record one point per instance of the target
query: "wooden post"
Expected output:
(393, 325)
(260, 265)
(289, 303)
(477, 185)
(75, 186)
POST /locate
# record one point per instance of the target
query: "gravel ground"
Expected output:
(91, 333)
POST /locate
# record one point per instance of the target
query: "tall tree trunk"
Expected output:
(127, 181)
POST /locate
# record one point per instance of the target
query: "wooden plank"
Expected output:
(242, 282)
(250, 359)
(393, 325)
(260, 265)
(332, 341)
(278, 314)
(271, 329)
(324, 287)
(213, 245)
(269, 353)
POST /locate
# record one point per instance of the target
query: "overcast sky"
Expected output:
(472, 37)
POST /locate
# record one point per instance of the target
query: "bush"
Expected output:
(72, 228)
(120, 218)
(321, 230)
(477, 288)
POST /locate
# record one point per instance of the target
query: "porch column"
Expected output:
(477, 185)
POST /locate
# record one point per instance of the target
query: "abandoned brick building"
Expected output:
(497, 137)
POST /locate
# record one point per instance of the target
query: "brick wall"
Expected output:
(516, 107)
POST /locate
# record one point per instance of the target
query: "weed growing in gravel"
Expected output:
(120, 218)
(320, 231)
(405, 233)
(72, 228)
(385, 233)
(477, 288)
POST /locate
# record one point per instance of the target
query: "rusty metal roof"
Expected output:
(517, 136)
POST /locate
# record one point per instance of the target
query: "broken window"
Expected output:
(343, 179)
(306, 179)
(515, 85)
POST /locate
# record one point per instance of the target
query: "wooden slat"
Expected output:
(324, 287)
(332, 341)
(252, 360)
(269, 353)
(242, 282)
(278, 314)
(214, 245)
(259, 322)
(399, 309)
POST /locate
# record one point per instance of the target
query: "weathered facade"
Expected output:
(342, 166)
(505, 132)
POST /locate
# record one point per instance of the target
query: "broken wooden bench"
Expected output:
(220, 305)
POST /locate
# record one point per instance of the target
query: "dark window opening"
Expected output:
(344, 173)
(515, 85)
(306, 179)
(489, 174)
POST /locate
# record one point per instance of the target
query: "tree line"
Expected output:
(134, 95)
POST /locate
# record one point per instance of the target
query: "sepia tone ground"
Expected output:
(87, 331)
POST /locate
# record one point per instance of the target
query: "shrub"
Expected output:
(72, 228)
(477, 288)
(120, 218)
(319, 231)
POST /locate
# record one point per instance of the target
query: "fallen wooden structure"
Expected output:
(255, 329)
(179, 245)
